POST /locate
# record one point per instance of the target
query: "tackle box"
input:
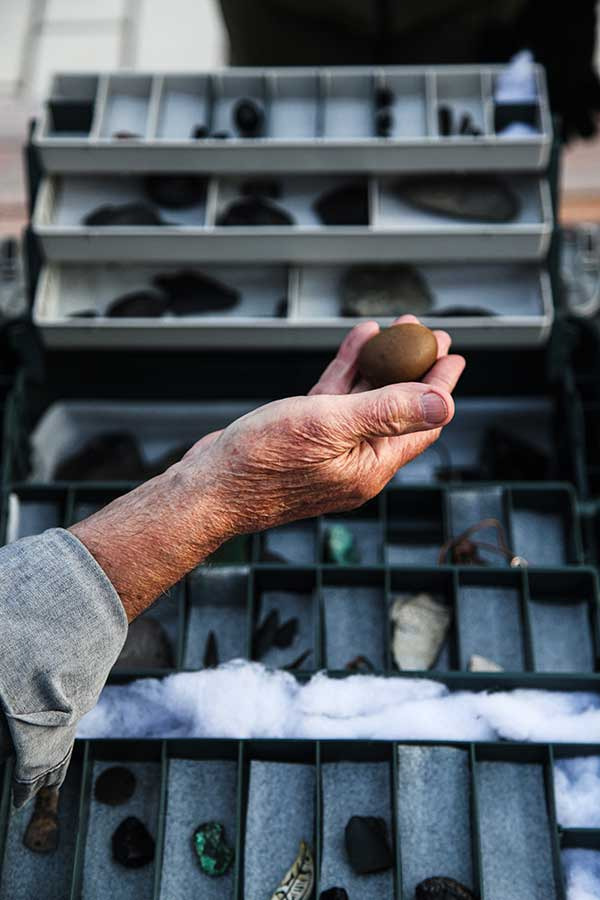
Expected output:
(312, 120)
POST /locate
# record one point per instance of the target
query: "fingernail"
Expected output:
(435, 410)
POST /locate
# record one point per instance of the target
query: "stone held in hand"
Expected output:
(41, 834)
(214, 853)
(442, 888)
(397, 354)
(132, 844)
(367, 845)
(114, 786)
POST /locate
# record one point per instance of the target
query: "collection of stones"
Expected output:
(447, 126)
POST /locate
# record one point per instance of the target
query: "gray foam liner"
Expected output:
(516, 847)
(561, 636)
(354, 789)
(218, 602)
(413, 554)
(355, 625)
(290, 605)
(489, 624)
(297, 543)
(539, 537)
(102, 876)
(197, 791)
(281, 813)
(368, 535)
(37, 876)
(467, 507)
(434, 818)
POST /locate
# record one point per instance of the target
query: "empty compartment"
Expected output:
(348, 107)
(45, 876)
(126, 107)
(355, 619)
(290, 604)
(354, 789)
(229, 88)
(539, 527)
(99, 867)
(577, 791)
(272, 838)
(295, 543)
(581, 871)
(415, 527)
(184, 107)
(468, 508)
(408, 107)
(294, 106)
(562, 634)
(217, 603)
(490, 625)
(460, 98)
(434, 815)
(198, 791)
(71, 106)
(515, 832)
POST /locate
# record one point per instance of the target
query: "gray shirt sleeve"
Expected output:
(62, 626)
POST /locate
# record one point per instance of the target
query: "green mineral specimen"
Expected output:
(340, 546)
(214, 854)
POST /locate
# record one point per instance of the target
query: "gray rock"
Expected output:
(384, 290)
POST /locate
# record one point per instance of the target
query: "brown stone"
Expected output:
(398, 354)
(41, 835)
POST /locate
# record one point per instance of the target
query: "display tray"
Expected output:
(385, 227)
(493, 816)
(296, 306)
(303, 119)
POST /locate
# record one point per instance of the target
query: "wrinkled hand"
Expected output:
(329, 451)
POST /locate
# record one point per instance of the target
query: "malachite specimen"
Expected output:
(340, 546)
(214, 854)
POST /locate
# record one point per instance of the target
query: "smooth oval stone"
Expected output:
(334, 893)
(214, 854)
(112, 456)
(132, 844)
(175, 191)
(249, 117)
(254, 211)
(472, 197)
(398, 354)
(192, 293)
(114, 786)
(147, 646)
(123, 214)
(442, 888)
(347, 204)
(367, 845)
(384, 290)
(41, 835)
(137, 305)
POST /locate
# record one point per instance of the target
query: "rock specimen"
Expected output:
(264, 636)
(445, 123)
(132, 844)
(384, 290)
(361, 665)
(442, 888)
(473, 197)
(211, 652)
(286, 634)
(41, 834)
(190, 293)
(347, 204)
(384, 96)
(367, 845)
(384, 122)
(399, 353)
(340, 546)
(298, 881)
(138, 304)
(113, 456)
(249, 117)
(114, 786)
(214, 853)
(199, 132)
(175, 191)
(147, 646)
(481, 664)
(255, 211)
(334, 893)
(124, 214)
(420, 624)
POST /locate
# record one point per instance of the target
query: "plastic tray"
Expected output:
(315, 120)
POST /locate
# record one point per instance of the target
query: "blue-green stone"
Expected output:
(214, 854)
(340, 546)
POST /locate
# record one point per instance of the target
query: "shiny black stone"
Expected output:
(191, 293)
(254, 211)
(384, 96)
(472, 197)
(347, 204)
(264, 636)
(249, 117)
(334, 893)
(367, 845)
(175, 191)
(261, 187)
(442, 888)
(138, 304)
(198, 132)
(114, 786)
(147, 646)
(445, 120)
(123, 214)
(506, 457)
(112, 456)
(449, 312)
(384, 122)
(286, 634)
(132, 844)
(211, 652)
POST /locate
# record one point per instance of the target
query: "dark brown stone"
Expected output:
(256, 211)
(42, 832)
(398, 354)
(249, 117)
(175, 191)
(442, 888)
(347, 204)
(114, 786)
(132, 844)
(445, 120)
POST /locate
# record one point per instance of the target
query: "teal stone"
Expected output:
(340, 546)
(214, 854)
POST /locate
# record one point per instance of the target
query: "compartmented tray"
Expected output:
(493, 816)
(296, 306)
(387, 229)
(302, 119)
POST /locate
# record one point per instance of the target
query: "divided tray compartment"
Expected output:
(394, 232)
(488, 814)
(314, 119)
(293, 594)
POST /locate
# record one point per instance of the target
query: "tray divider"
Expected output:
(161, 824)
(456, 651)
(395, 830)
(82, 821)
(68, 506)
(446, 514)
(251, 605)
(475, 826)
(508, 506)
(99, 106)
(241, 805)
(154, 105)
(374, 189)
(524, 601)
(487, 102)
(294, 289)
(318, 817)
(431, 103)
(255, 542)
(5, 804)
(554, 830)
(320, 658)
(324, 78)
(212, 202)
(182, 606)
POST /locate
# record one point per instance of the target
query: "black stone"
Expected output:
(384, 96)
(465, 125)
(472, 197)
(132, 844)
(114, 786)
(264, 636)
(298, 662)
(211, 652)
(191, 293)
(384, 122)
(221, 135)
(442, 888)
(388, 289)
(112, 456)
(334, 893)
(261, 187)
(147, 646)
(254, 211)
(198, 132)
(449, 312)
(347, 204)
(249, 117)
(175, 191)
(138, 304)
(367, 845)
(506, 457)
(123, 214)
(286, 634)
(445, 120)
(84, 314)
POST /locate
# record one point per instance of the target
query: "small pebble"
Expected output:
(334, 893)
(132, 844)
(198, 132)
(398, 354)
(249, 117)
(114, 786)
(214, 854)
(367, 845)
(445, 123)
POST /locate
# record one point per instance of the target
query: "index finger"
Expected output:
(341, 372)
(445, 372)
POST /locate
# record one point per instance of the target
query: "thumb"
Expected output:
(395, 410)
